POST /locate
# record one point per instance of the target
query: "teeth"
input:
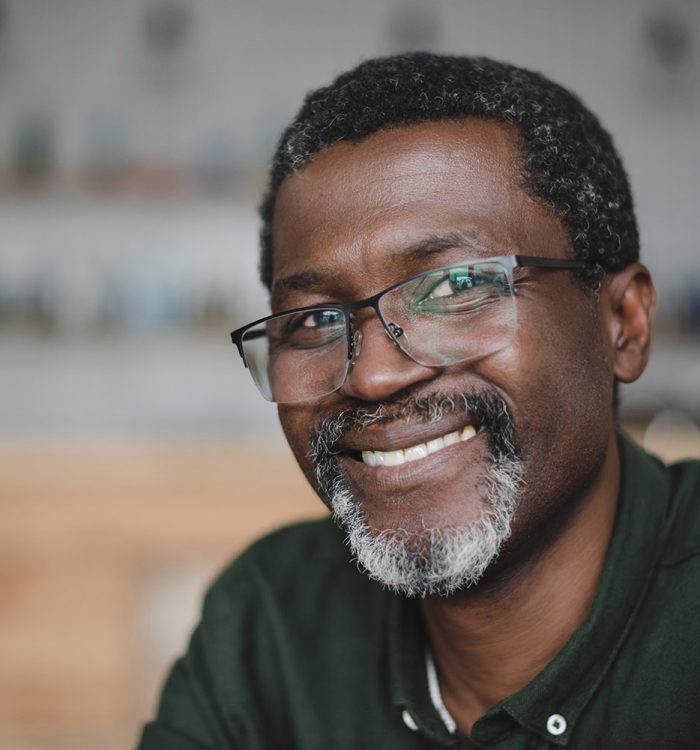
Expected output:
(418, 451)
(394, 458)
(435, 445)
(468, 432)
(415, 452)
(452, 437)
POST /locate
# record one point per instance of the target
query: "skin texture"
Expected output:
(344, 228)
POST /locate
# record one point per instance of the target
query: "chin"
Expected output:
(429, 524)
(438, 559)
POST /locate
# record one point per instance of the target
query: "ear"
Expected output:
(632, 300)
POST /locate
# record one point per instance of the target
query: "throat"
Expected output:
(491, 642)
(494, 665)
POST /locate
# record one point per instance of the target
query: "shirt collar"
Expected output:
(565, 686)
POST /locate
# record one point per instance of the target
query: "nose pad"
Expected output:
(356, 346)
(383, 370)
(395, 332)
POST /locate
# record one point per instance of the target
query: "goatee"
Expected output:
(432, 560)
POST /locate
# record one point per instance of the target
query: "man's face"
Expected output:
(361, 217)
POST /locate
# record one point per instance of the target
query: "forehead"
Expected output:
(355, 214)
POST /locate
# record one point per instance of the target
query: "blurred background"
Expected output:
(135, 456)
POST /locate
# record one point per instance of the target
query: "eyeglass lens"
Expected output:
(439, 318)
(452, 315)
(298, 356)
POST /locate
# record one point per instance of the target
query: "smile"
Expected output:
(421, 450)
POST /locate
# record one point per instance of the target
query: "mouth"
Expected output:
(407, 455)
(416, 452)
(392, 464)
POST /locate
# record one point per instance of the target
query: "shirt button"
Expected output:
(409, 721)
(556, 724)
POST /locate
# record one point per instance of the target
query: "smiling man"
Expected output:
(452, 258)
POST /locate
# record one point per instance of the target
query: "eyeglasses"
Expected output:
(445, 316)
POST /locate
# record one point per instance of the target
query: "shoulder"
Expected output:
(659, 680)
(278, 625)
(683, 542)
(673, 605)
(670, 495)
(283, 555)
(285, 574)
(300, 542)
(288, 616)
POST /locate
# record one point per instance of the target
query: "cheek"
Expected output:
(563, 388)
(298, 423)
(559, 381)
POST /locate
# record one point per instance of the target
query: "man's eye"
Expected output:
(458, 283)
(454, 283)
(461, 290)
(312, 329)
(321, 319)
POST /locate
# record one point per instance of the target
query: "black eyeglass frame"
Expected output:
(348, 308)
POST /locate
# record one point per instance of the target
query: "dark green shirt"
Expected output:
(299, 650)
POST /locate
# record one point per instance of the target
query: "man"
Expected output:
(452, 257)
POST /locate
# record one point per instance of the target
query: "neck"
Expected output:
(493, 640)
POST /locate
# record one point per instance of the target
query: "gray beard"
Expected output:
(432, 560)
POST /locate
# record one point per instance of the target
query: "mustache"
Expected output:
(485, 407)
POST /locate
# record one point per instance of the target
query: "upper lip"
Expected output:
(402, 433)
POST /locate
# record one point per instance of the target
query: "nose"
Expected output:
(379, 369)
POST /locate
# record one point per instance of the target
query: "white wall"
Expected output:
(242, 73)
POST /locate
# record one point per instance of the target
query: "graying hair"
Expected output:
(569, 161)
(432, 560)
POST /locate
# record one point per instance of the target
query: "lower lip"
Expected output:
(409, 475)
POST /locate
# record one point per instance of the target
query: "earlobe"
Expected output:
(632, 303)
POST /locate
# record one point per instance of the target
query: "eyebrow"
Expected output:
(470, 239)
(304, 281)
(434, 244)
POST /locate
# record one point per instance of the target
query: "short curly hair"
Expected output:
(569, 161)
